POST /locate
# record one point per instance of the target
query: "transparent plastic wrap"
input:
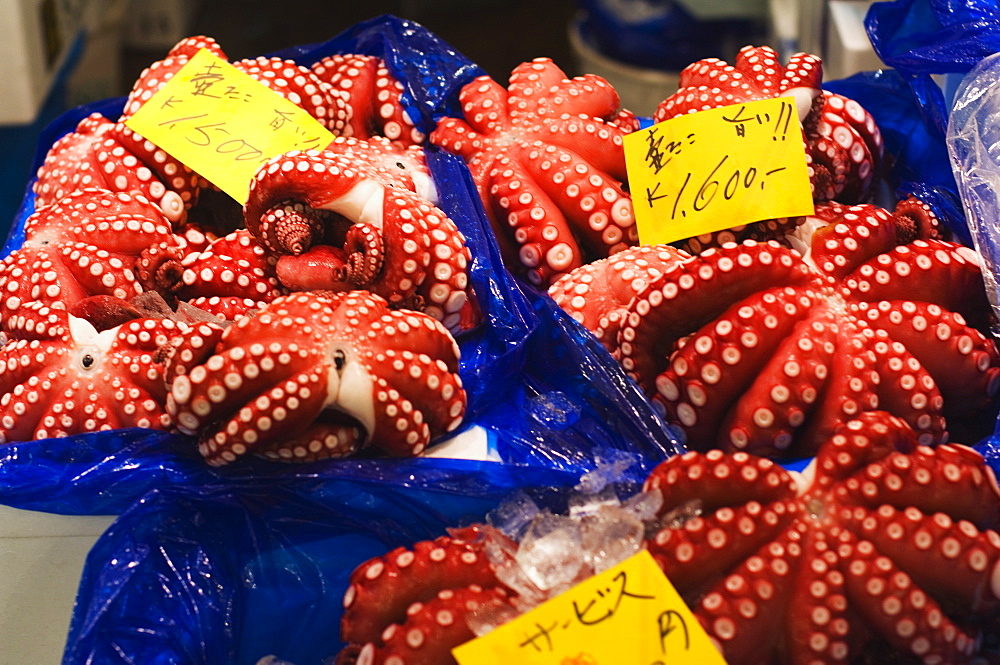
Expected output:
(972, 144)
(975, 158)
(544, 389)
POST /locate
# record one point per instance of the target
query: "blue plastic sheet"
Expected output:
(538, 382)
(231, 574)
(934, 36)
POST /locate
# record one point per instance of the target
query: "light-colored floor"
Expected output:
(41, 558)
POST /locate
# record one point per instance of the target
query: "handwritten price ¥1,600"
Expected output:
(703, 172)
(712, 185)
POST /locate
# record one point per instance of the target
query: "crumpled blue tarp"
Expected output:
(228, 575)
(538, 382)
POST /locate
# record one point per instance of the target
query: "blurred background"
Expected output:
(59, 54)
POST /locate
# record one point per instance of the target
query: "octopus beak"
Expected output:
(350, 390)
(362, 203)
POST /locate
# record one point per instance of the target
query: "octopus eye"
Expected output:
(401, 165)
(87, 361)
(339, 360)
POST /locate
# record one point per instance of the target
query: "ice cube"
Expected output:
(645, 505)
(610, 536)
(488, 616)
(550, 553)
(273, 660)
(513, 515)
(611, 464)
(554, 410)
(581, 505)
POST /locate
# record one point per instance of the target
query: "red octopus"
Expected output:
(752, 347)
(883, 544)
(546, 155)
(843, 143)
(883, 548)
(360, 214)
(60, 376)
(372, 95)
(316, 375)
(87, 244)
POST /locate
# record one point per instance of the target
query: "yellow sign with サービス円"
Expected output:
(224, 124)
(627, 614)
(718, 168)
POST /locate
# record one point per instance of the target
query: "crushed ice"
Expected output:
(539, 554)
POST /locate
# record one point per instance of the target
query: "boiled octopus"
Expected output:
(361, 215)
(340, 92)
(883, 547)
(90, 243)
(844, 147)
(60, 376)
(883, 550)
(316, 375)
(755, 347)
(373, 98)
(547, 158)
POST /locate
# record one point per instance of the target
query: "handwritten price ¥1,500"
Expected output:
(224, 124)
(215, 135)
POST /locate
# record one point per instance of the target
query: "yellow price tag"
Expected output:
(715, 169)
(628, 614)
(223, 124)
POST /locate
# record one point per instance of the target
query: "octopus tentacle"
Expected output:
(598, 294)
(962, 361)
(715, 365)
(924, 546)
(906, 617)
(933, 271)
(381, 589)
(779, 400)
(698, 551)
(371, 96)
(906, 388)
(741, 613)
(597, 206)
(661, 313)
(432, 628)
(717, 480)
(521, 204)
